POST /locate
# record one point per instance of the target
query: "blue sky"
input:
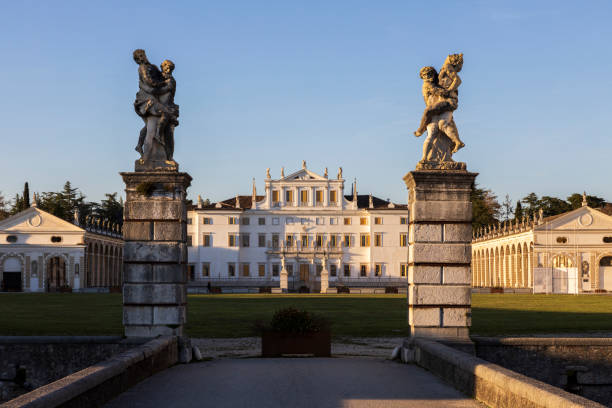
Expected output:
(268, 84)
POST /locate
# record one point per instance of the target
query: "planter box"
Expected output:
(275, 344)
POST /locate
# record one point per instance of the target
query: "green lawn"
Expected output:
(351, 315)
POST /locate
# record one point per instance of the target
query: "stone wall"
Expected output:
(490, 383)
(580, 365)
(27, 363)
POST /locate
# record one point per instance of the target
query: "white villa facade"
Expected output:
(565, 253)
(40, 252)
(304, 234)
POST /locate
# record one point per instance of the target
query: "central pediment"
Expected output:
(302, 175)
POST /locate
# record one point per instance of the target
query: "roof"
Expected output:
(363, 201)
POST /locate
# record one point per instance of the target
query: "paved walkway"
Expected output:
(293, 382)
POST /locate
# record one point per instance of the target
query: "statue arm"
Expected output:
(146, 78)
(455, 84)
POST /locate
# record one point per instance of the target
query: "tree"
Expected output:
(3, 212)
(485, 208)
(518, 210)
(553, 206)
(110, 209)
(26, 195)
(532, 201)
(575, 201)
(507, 208)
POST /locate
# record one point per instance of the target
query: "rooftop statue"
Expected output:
(440, 91)
(155, 105)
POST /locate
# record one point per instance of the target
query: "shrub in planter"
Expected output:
(293, 331)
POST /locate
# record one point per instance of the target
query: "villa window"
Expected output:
(262, 220)
(207, 220)
(11, 239)
(261, 269)
(245, 220)
(289, 241)
(189, 240)
(261, 240)
(304, 241)
(320, 240)
(378, 220)
(403, 239)
(275, 240)
(56, 239)
(561, 240)
(275, 221)
(403, 269)
(245, 240)
(363, 270)
(378, 240)
(378, 269)
(365, 240)
(347, 271)
(206, 240)
(189, 221)
(319, 197)
(333, 196)
(347, 221)
(246, 271)
(205, 270)
(403, 220)
(289, 268)
(363, 221)
(275, 196)
(333, 270)
(607, 240)
(275, 268)
(232, 240)
(289, 197)
(191, 271)
(333, 240)
(304, 197)
(231, 270)
(232, 220)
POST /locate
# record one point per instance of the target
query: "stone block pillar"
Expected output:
(440, 235)
(155, 253)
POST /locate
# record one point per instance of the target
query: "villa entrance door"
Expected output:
(56, 274)
(304, 277)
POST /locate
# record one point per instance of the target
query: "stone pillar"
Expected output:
(440, 235)
(155, 253)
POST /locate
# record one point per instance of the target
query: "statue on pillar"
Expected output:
(440, 91)
(155, 105)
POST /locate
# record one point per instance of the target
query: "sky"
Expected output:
(271, 83)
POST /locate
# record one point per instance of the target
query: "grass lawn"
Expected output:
(351, 315)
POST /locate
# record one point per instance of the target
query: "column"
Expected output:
(439, 293)
(155, 253)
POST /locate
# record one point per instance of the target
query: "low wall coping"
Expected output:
(73, 385)
(542, 341)
(538, 393)
(72, 340)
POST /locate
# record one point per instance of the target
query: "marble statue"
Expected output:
(155, 105)
(440, 91)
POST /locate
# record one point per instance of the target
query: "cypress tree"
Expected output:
(26, 196)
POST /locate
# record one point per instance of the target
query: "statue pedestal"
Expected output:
(324, 281)
(440, 231)
(284, 281)
(155, 253)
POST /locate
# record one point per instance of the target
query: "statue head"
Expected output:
(456, 60)
(428, 74)
(167, 67)
(140, 56)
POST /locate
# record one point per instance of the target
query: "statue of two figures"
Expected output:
(441, 99)
(155, 105)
